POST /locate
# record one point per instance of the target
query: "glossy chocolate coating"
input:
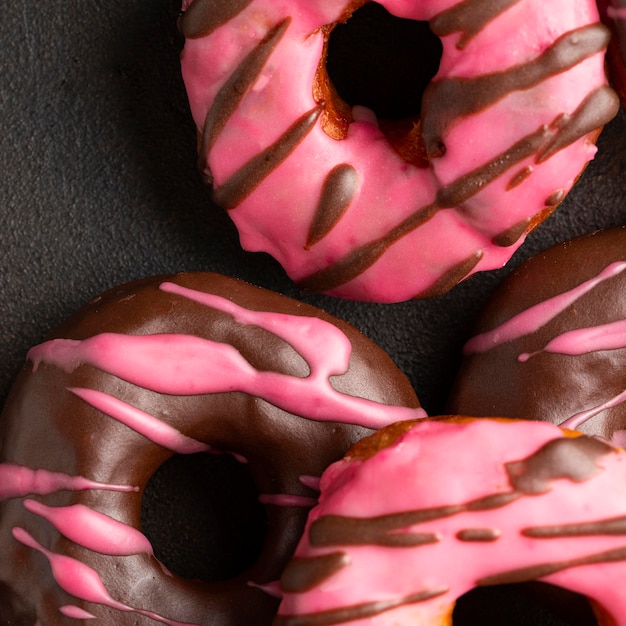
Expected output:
(553, 386)
(48, 426)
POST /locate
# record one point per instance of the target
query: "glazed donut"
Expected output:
(534, 503)
(550, 342)
(170, 366)
(369, 210)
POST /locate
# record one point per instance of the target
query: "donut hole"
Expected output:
(202, 514)
(523, 604)
(384, 63)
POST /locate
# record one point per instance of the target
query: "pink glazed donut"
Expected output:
(516, 501)
(365, 210)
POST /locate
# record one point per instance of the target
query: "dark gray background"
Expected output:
(99, 186)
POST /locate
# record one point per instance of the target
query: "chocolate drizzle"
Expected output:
(468, 17)
(205, 16)
(520, 177)
(359, 611)
(510, 236)
(613, 526)
(573, 458)
(338, 191)
(450, 99)
(453, 276)
(597, 109)
(235, 88)
(333, 530)
(304, 573)
(245, 180)
(542, 570)
(478, 534)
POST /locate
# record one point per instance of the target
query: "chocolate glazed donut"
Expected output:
(550, 345)
(173, 365)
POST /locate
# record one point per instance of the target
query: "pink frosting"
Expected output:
(533, 504)
(400, 231)
(190, 365)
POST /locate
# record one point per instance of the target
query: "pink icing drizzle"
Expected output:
(284, 499)
(75, 612)
(17, 481)
(189, 365)
(616, 13)
(82, 581)
(610, 336)
(140, 421)
(531, 319)
(313, 482)
(92, 530)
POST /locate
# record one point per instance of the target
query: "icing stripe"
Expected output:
(359, 611)
(205, 16)
(453, 276)
(614, 526)
(333, 530)
(510, 236)
(92, 530)
(596, 110)
(17, 481)
(536, 316)
(546, 569)
(611, 336)
(243, 182)
(468, 17)
(338, 191)
(141, 422)
(478, 534)
(235, 88)
(304, 573)
(450, 99)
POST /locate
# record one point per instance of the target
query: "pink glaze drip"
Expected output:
(147, 425)
(532, 505)
(83, 582)
(75, 612)
(577, 420)
(92, 530)
(313, 482)
(610, 336)
(189, 365)
(271, 589)
(17, 481)
(535, 317)
(616, 13)
(284, 499)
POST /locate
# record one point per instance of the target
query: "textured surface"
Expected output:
(99, 186)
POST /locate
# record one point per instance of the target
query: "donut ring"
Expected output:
(534, 503)
(550, 345)
(164, 366)
(354, 210)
